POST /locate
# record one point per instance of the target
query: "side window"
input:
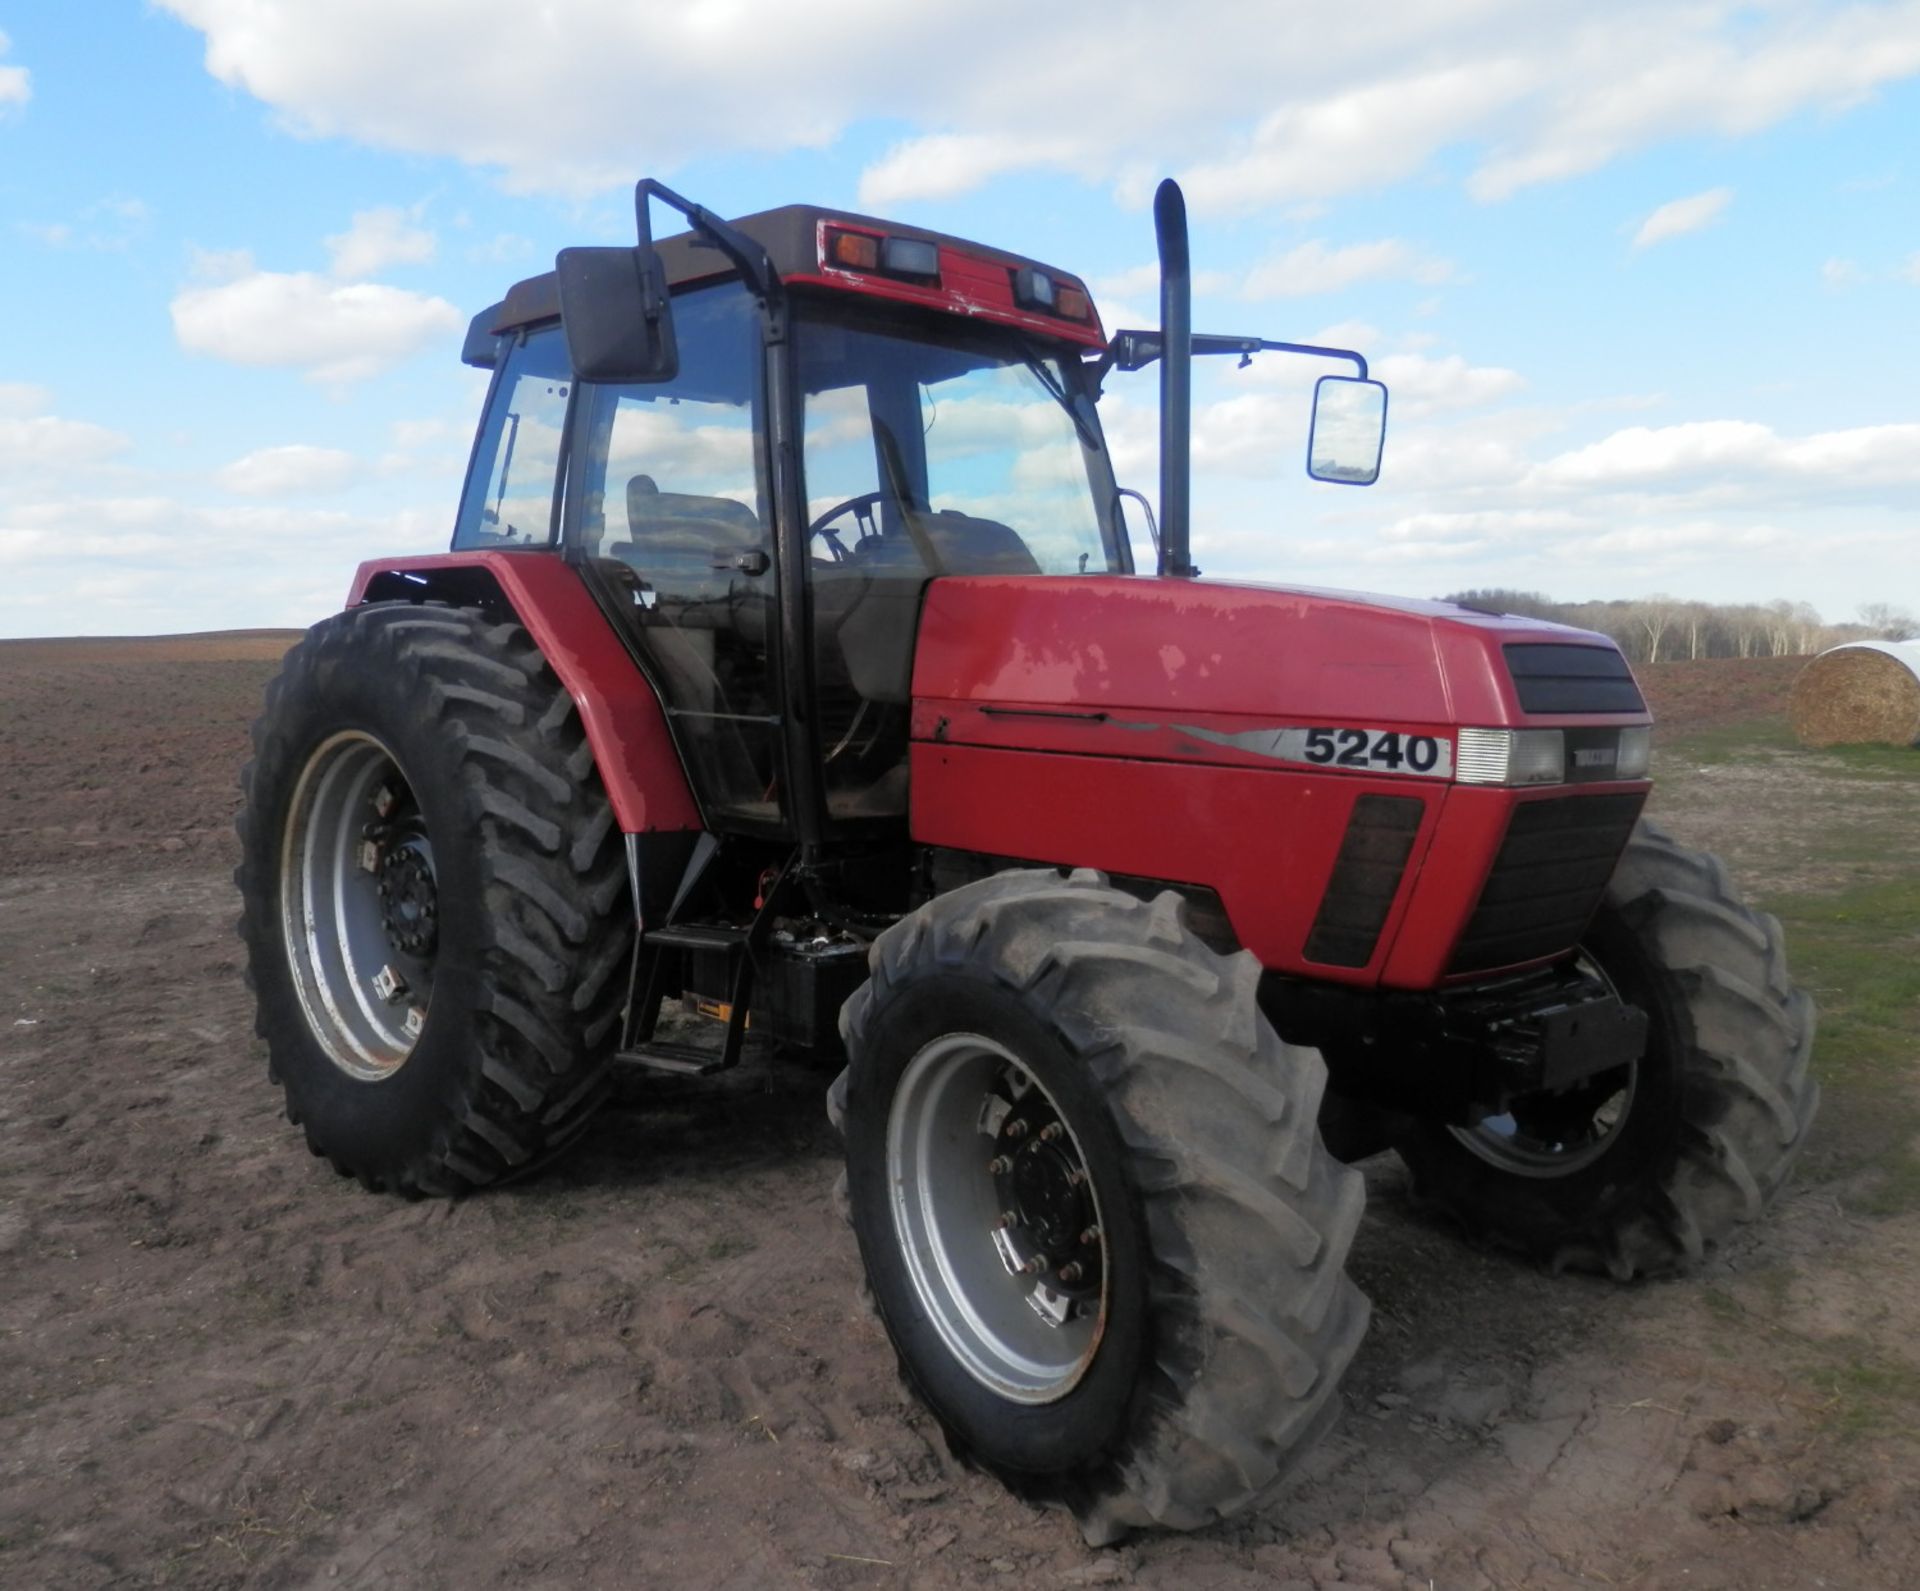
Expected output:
(509, 497)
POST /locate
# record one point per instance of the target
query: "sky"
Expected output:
(1644, 278)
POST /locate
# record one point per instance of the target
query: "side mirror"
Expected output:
(617, 315)
(1349, 430)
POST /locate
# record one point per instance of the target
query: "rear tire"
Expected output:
(1202, 1354)
(1704, 1129)
(504, 923)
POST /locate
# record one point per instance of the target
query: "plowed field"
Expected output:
(220, 1365)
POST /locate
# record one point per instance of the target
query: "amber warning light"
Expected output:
(1037, 290)
(862, 251)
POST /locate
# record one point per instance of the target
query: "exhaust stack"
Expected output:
(1176, 377)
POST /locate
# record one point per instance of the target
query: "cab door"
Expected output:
(671, 508)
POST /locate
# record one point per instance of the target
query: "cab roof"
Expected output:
(975, 279)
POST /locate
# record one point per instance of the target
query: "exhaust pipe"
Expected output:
(1176, 377)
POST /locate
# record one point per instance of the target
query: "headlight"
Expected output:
(1551, 756)
(1636, 752)
(1511, 756)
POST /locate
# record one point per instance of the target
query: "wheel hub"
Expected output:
(409, 900)
(1044, 1187)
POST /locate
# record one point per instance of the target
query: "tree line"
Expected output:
(1662, 629)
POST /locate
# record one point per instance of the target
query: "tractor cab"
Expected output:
(762, 518)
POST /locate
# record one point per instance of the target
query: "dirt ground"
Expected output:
(220, 1365)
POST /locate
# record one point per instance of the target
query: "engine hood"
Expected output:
(1220, 655)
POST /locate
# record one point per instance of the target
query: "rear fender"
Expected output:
(625, 723)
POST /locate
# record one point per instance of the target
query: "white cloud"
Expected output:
(1363, 137)
(336, 332)
(1837, 272)
(138, 557)
(16, 82)
(21, 400)
(944, 164)
(294, 470)
(1260, 106)
(1911, 270)
(1313, 267)
(1678, 217)
(1420, 386)
(34, 442)
(379, 238)
(1737, 452)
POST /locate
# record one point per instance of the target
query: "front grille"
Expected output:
(1547, 879)
(1366, 877)
(1553, 678)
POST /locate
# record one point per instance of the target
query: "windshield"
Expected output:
(976, 450)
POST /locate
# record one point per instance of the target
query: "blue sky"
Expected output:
(1645, 279)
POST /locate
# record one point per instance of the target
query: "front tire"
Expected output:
(434, 899)
(1646, 1171)
(1087, 1182)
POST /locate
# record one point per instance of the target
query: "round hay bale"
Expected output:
(1865, 692)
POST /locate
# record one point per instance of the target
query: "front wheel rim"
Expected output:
(997, 1218)
(359, 905)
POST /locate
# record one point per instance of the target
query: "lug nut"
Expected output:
(1076, 1178)
(1005, 1221)
(1015, 1129)
(1034, 1266)
(1091, 1236)
(1071, 1271)
(999, 1166)
(1051, 1132)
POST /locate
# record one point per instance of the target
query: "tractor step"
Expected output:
(709, 937)
(677, 1060)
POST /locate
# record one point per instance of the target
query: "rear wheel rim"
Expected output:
(1545, 1137)
(359, 907)
(997, 1218)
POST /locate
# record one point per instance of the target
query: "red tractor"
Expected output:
(791, 662)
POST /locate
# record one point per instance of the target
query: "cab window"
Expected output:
(509, 500)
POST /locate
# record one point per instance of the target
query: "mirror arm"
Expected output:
(1135, 350)
(753, 260)
(1260, 345)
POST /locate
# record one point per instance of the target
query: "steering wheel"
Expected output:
(861, 507)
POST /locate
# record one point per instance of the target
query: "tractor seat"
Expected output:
(686, 530)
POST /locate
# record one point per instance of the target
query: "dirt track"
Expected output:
(221, 1365)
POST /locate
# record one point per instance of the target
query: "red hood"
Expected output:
(1213, 646)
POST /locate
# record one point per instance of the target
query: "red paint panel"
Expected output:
(1277, 655)
(1266, 841)
(623, 718)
